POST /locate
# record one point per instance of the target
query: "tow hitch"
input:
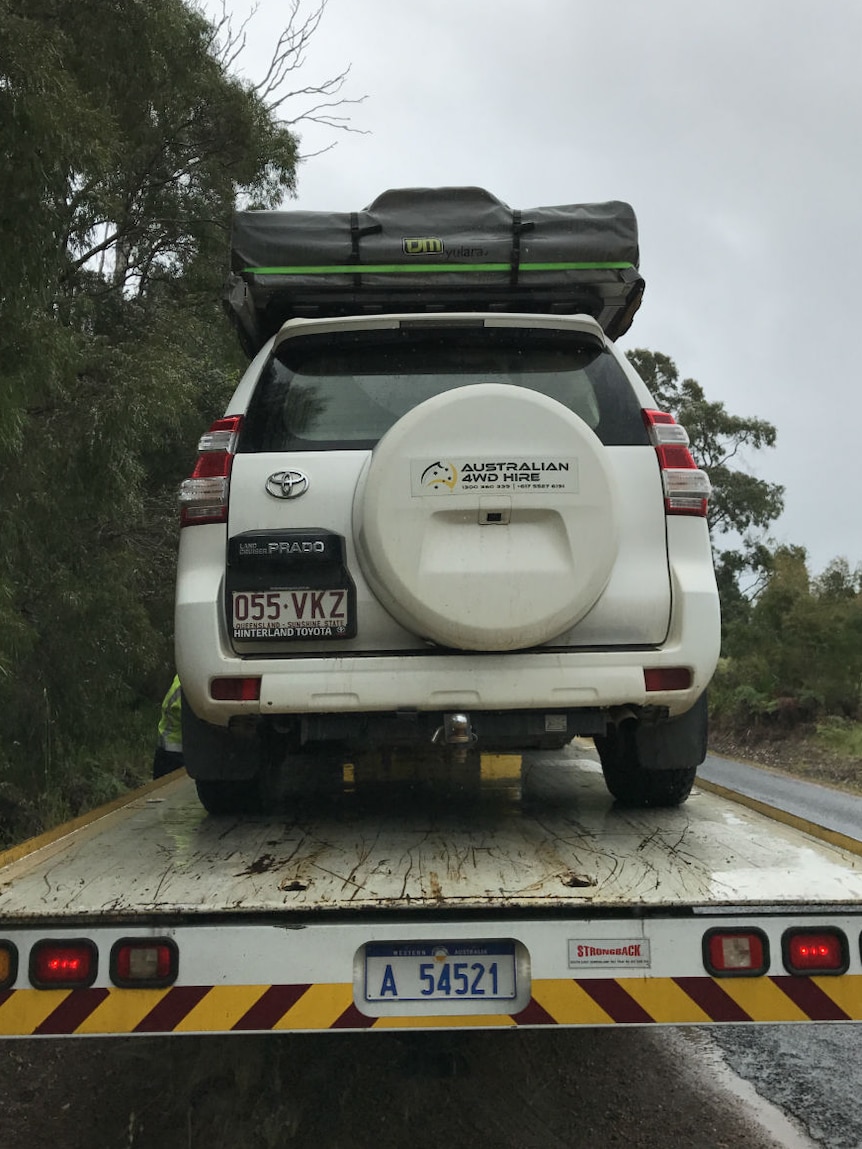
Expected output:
(457, 733)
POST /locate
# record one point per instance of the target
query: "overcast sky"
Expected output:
(734, 128)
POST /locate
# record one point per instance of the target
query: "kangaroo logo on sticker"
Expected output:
(438, 475)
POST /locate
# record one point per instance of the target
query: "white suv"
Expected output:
(449, 530)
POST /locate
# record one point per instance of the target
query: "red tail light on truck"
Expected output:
(60, 964)
(813, 952)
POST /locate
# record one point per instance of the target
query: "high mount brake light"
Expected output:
(686, 487)
(204, 495)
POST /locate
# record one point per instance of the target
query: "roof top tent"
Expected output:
(433, 249)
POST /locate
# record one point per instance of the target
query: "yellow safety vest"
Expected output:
(170, 728)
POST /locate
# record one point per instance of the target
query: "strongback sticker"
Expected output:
(610, 952)
(528, 474)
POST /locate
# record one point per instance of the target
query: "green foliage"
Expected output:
(798, 653)
(739, 501)
(70, 778)
(126, 144)
(741, 506)
(841, 736)
(792, 644)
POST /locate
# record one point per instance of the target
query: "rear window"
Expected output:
(344, 391)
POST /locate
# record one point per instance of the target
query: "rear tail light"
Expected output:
(63, 964)
(204, 495)
(235, 689)
(686, 487)
(144, 963)
(821, 951)
(735, 953)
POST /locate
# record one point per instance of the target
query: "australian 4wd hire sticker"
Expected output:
(457, 476)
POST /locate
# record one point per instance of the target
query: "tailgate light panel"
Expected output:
(152, 963)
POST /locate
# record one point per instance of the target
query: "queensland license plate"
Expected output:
(290, 614)
(440, 971)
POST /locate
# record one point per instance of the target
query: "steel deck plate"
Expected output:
(553, 838)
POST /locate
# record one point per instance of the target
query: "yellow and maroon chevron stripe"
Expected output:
(565, 1002)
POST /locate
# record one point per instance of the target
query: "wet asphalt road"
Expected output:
(834, 809)
(813, 1073)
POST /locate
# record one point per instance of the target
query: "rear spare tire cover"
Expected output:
(486, 518)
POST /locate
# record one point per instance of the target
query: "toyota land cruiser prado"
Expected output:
(448, 524)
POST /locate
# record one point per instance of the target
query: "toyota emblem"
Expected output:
(287, 484)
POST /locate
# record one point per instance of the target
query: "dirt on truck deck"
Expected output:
(506, 1090)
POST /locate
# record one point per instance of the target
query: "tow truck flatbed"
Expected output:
(530, 900)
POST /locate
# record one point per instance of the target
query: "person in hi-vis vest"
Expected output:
(169, 751)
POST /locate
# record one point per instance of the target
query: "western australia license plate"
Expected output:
(439, 971)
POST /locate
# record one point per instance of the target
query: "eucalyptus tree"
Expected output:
(742, 506)
(127, 139)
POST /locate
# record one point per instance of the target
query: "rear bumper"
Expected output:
(420, 680)
(405, 681)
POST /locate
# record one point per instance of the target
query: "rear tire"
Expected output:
(641, 788)
(628, 779)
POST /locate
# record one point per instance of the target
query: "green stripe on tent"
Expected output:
(424, 268)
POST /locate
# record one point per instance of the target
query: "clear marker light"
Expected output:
(736, 952)
(144, 963)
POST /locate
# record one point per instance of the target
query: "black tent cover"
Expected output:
(433, 249)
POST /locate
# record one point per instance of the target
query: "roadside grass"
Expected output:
(841, 736)
(829, 752)
(74, 781)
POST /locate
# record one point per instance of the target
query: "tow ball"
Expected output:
(457, 733)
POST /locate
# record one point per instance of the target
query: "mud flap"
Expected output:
(215, 753)
(677, 743)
